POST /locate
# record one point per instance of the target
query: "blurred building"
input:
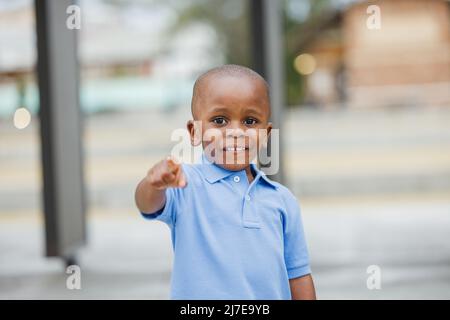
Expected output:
(130, 59)
(406, 62)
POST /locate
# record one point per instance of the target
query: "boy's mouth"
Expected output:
(235, 149)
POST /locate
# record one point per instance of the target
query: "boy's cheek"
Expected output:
(213, 149)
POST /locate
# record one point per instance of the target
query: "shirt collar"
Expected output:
(214, 173)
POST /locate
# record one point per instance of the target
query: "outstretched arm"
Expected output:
(302, 288)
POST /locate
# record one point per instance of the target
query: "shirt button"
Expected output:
(236, 179)
(247, 197)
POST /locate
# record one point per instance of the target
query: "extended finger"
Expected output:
(172, 164)
(181, 179)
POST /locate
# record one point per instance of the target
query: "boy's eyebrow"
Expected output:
(219, 109)
(255, 110)
(226, 110)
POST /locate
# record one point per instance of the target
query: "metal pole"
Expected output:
(60, 130)
(268, 57)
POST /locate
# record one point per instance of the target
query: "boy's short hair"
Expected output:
(233, 70)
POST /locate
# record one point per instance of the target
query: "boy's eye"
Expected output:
(250, 121)
(219, 120)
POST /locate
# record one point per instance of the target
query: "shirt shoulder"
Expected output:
(289, 202)
(284, 192)
(287, 194)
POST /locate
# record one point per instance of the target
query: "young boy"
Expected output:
(236, 234)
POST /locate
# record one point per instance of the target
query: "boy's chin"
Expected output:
(235, 164)
(233, 167)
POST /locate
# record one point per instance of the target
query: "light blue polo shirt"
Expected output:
(232, 240)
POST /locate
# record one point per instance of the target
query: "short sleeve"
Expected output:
(295, 249)
(166, 214)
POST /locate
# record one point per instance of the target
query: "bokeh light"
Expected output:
(305, 64)
(22, 118)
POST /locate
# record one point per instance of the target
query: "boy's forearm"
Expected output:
(302, 288)
(148, 198)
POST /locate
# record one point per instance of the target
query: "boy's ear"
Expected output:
(195, 132)
(269, 129)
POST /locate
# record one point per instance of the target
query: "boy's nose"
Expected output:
(235, 132)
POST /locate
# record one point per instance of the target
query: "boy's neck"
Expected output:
(248, 171)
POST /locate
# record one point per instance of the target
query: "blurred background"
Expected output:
(365, 126)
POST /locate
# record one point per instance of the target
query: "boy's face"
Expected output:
(234, 114)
